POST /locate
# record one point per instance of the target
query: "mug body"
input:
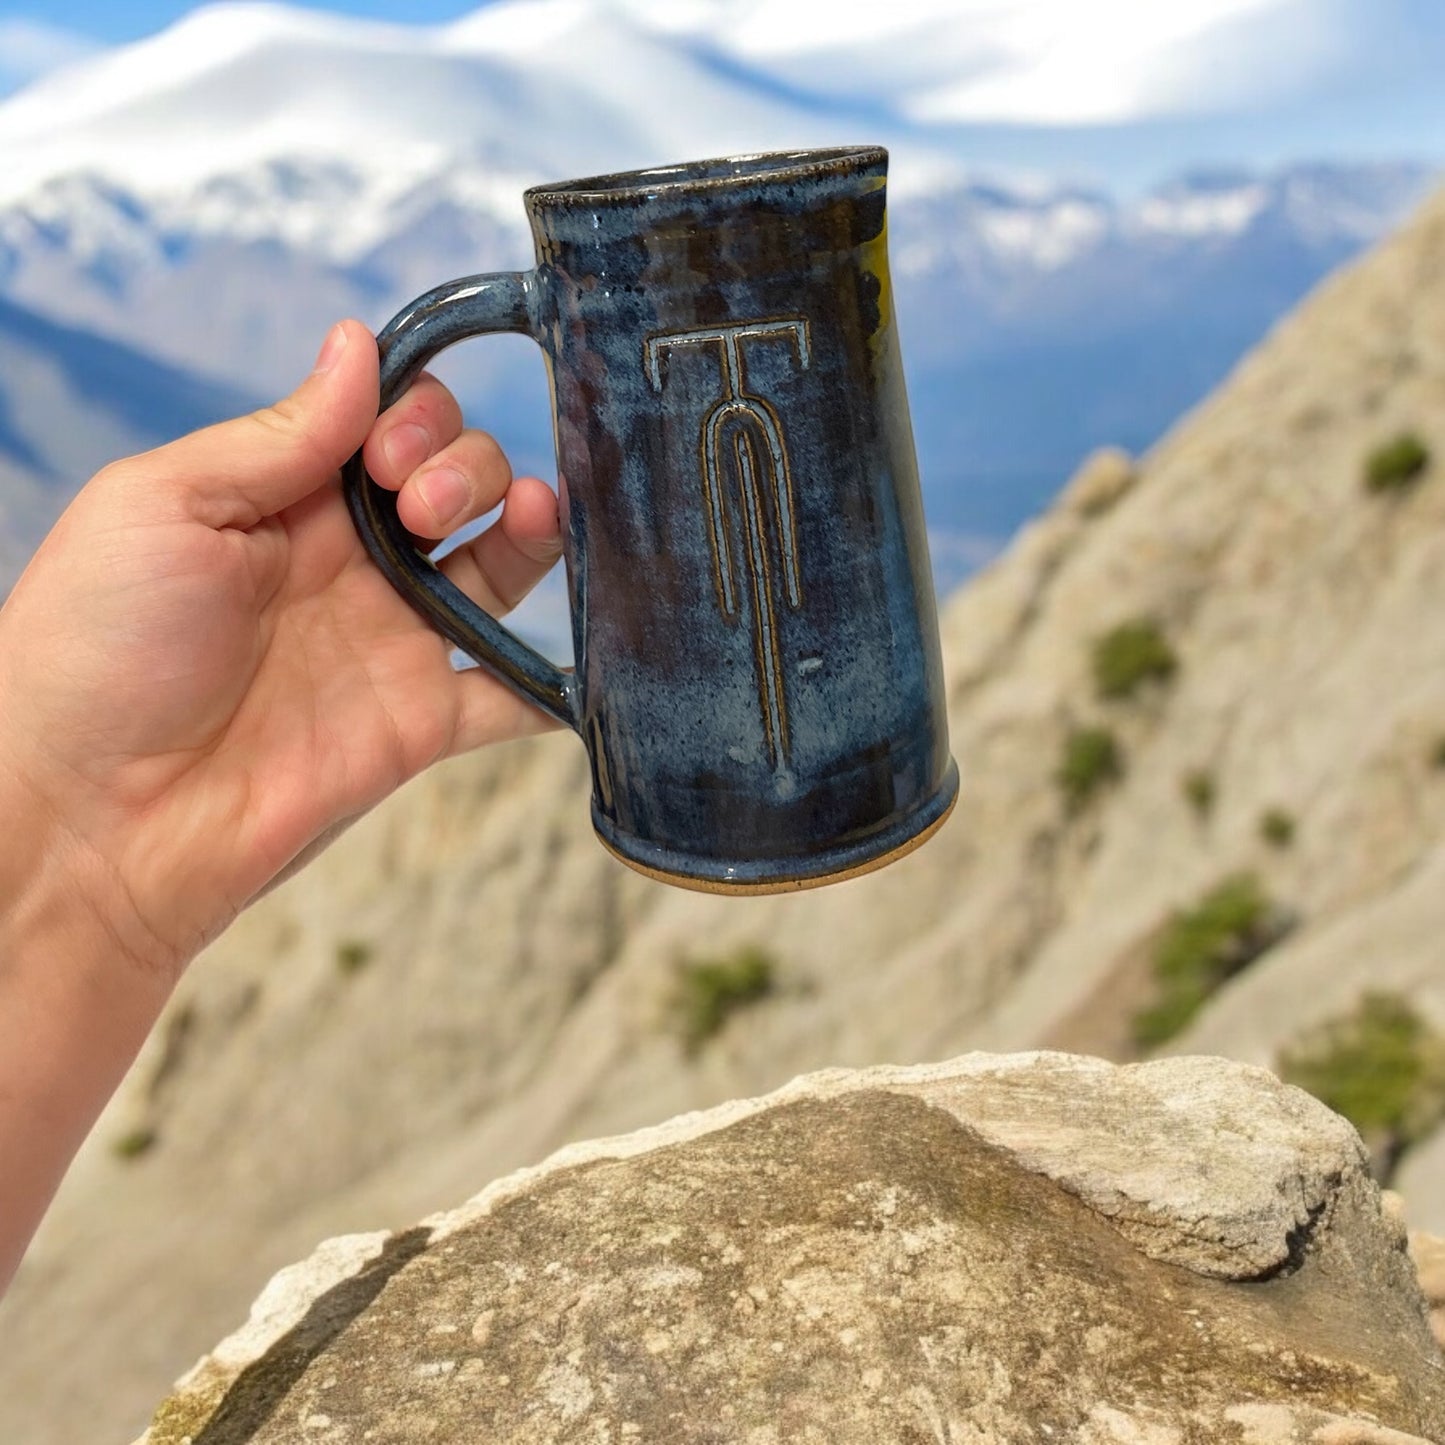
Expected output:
(758, 674)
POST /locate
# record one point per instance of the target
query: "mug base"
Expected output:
(780, 875)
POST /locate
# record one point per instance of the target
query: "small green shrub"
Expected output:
(1382, 1067)
(710, 991)
(1203, 947)
(1276, 827)
(1397, 464)
(1092, 759)
(1130, 655)
(1199, 791)
(352, 955)
(135, 1142)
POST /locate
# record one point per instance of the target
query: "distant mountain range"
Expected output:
(213, 197)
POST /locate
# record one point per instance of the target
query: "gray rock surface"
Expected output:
(996, 1250)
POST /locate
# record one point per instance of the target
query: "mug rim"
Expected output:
(701, 175)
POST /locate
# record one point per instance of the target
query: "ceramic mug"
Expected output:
(758, 680)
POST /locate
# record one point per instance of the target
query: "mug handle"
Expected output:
(471, 306)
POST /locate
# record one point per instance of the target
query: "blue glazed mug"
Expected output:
(758, 680)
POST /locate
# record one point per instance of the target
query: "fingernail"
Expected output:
(406, 448)
(331, 350)
(445, 492)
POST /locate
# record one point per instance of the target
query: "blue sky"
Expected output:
(1274, 81)
(36, 37)
(115, 21)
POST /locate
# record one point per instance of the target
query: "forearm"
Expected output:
(201, 676)
(76, 1003)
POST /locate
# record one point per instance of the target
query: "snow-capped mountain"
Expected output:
(216, 195)
(526, 90)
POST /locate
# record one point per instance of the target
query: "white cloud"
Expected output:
(1113, 60)
(1030, 62)
(29, 48)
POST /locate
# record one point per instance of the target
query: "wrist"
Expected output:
(75, 1008)
(59, 897)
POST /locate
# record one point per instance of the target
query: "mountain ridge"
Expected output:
(1037, 323)
(219, 194)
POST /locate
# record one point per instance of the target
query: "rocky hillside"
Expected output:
(1199, 708)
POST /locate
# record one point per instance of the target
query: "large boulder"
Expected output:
(1026, 1248)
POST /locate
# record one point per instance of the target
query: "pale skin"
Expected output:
(203, 679)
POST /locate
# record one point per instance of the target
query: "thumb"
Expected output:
(243, 470)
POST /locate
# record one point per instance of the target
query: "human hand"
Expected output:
(203, 674)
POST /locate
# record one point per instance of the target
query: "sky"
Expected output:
(1123, 90)
(36, 37)
(116, 20)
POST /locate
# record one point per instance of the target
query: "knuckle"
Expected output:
(115, 476)
(489, 453)
(283, 420)
(282, 416)
(134, 482)
(429, 394)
